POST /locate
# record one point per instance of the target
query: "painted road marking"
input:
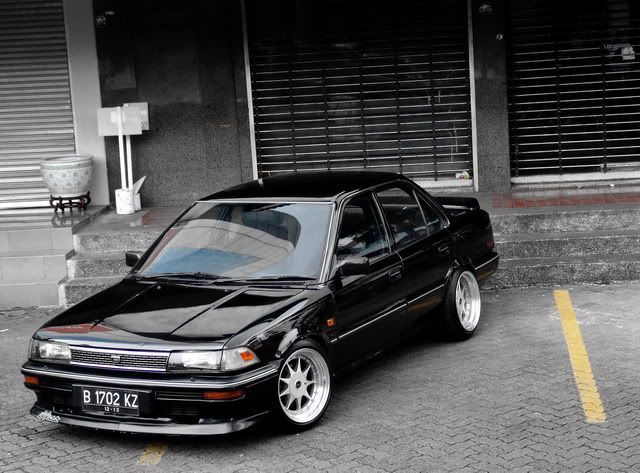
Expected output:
(591, 402)
(152, 454)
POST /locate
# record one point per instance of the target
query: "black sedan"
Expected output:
(253, 299)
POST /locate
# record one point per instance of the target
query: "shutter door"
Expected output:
(361, 84)
(574, 86)
(36, 120)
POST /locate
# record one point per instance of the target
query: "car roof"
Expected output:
(321, 185)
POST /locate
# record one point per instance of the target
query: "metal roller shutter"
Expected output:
(361, 84)
(574, 86)
(35, 100)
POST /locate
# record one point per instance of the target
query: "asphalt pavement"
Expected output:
(506, 400)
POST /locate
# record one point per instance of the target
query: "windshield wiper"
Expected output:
(282, 278)
(266, 279)
(190, 275)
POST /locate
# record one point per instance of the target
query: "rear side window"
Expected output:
(403, 214)
(360, 233)
(432, 217)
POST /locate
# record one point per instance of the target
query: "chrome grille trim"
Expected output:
(130, 360)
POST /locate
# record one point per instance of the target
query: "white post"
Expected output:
(129, 164)
(123, 175)
(472, 97)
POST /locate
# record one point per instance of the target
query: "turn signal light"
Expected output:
(222, 395)
(247, 355)
(33, 380)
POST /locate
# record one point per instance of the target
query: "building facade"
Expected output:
(453, 93)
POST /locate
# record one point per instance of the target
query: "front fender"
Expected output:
(272, 341)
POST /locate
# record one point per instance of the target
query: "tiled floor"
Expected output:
(530, 200)
(558, 199)
(565, 197)
(147, 218)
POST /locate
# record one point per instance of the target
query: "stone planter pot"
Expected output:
(69, 175)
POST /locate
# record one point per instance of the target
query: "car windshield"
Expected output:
(244, 241)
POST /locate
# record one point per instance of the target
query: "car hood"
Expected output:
(166, 314)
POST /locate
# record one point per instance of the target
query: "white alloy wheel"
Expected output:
(304, 386)
(468, 301)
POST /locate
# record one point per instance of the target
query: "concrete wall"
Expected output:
(85, 91)
(491, 108)
(185, 59)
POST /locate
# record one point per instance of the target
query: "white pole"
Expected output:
(129, 163)
(472, 98)
(123, 176)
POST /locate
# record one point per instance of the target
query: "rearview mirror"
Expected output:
(132, 257)
(353, 267)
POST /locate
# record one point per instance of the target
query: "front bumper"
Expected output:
(204, 427)
(175, 405)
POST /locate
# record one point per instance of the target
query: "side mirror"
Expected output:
(353, 267)
(132, 257)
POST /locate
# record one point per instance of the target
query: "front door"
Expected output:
(369, 307)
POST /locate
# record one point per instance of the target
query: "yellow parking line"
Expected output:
(591, 402)
(152, 454)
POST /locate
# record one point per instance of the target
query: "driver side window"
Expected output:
(360, 233)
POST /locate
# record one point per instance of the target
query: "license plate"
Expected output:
(108, 400)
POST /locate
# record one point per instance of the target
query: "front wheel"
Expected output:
(462, 305)
(304, 386)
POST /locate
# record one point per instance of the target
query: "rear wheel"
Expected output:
(304, 386)
(462, 306)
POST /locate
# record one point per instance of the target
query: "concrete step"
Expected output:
(33, 266)
(28, 294)
(134, 239)
(561, 270)
(23, 238)
(75, 290)
(88, 265)
(554, 221)
(540, 245)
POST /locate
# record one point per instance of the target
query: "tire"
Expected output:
(462, 306)
(303, 388)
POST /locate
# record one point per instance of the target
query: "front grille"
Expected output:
(120, 359)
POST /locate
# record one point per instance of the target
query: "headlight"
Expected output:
(194, 360)
(50, 351)
(218, 360)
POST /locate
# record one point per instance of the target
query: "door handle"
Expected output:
(395, 274)
(444, 248)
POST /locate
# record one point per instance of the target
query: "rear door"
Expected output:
(368, 306)
(424, 244)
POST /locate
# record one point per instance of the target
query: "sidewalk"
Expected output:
(556, 199)
(496, 203)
